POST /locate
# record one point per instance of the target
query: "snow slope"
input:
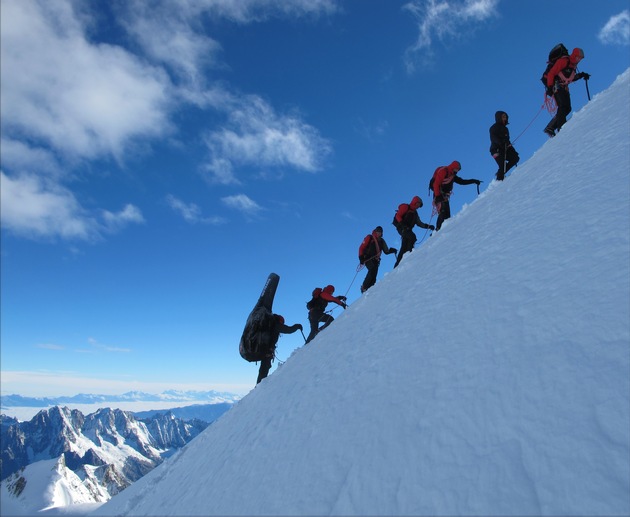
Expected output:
(488, 374)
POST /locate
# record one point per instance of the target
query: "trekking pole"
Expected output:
(588, 93)
(302, 332)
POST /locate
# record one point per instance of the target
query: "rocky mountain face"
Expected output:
(99, 454)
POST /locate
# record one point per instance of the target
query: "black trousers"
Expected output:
(563, 100)
(263, 371)
(443, 214)
(370, 278)
(408, 239)
(506, 159)
(315, 318)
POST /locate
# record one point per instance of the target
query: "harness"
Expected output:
(377, 248)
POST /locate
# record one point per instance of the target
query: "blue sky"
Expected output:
(160, 159)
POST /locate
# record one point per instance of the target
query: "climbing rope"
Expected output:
(550, 104)
(359, 268)
(426, 230)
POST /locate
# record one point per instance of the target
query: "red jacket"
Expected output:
(326, 295)
(562, 65)
(444, 176)
(565, 64)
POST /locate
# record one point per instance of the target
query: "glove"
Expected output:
(549, 91)
(431, 227)
(342, 298)
(300, 327)
(477, 182)
(583, 75)
(438, 199)
(344, 305)
(393, 250)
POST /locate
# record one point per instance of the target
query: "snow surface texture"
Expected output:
(488, 374)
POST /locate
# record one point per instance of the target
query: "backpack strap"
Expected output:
(378, 248)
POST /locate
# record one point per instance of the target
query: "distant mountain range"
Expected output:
(204, 412)
(90, 458)
(208, 397)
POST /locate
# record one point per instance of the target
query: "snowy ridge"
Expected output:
(488, 374)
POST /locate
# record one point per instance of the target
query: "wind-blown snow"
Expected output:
(488, 374)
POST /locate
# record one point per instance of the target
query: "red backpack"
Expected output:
(399, 215)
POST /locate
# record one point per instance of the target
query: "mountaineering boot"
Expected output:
(549, 132)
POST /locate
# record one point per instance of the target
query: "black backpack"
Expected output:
(556, 53)
(261, 331)
(314, 301)
(260, 335)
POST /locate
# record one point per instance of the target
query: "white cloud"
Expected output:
(166, 32)
(50, 346)
(67, 99)
(443, 20)
(33, 207)
(115, 221)
(191, 211)
(617, 30)
(22, 156)
(254, 134)
(106, 348)
(169, 31)
(62, 91)
(243, 203)
(248, 11)
(257, 136)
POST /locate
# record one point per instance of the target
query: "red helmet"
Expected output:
(330, 289)
(577, 55)
(416, 203)
(455, 167)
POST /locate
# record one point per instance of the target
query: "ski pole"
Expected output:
(504, 162)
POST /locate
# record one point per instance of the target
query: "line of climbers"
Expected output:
(370, 250)
(560, 72)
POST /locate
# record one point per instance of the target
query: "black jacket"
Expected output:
(499, 134)
(411, 219)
